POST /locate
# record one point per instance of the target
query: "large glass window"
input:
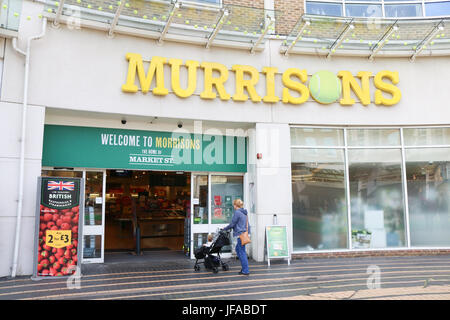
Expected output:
(324, 8)
(373, 8)
(377, 206)
(428, 176)
(437, 9)
(224, 190)
(317, 137)
(351, 184)
(319, 200)
(363, 10)
(426, 136)
(403, 10)
(373, 137)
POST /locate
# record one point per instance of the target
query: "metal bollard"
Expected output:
(138, 241)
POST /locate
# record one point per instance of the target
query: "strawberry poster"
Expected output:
(58, 227)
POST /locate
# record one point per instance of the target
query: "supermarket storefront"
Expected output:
(348, 154)
(370, 188)
(146, 189)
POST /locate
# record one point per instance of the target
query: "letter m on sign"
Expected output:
(155, 70)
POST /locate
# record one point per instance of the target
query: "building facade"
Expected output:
(337, 123)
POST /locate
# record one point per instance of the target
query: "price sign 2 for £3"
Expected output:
(58, 227)
(58, 238)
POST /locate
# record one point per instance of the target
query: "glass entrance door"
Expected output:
(94, 216)
(212, 206)
(94, 210)
(199, 211)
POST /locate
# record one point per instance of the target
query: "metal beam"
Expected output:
(116, 18)
(175, 7)
(216, 30)
(349, 27)
(256, 44)
(305, 25)
(58, 13)
(438, 28)
(382, 42)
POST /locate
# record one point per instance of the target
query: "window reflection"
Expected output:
(224, 190)
(437, 9)
(363, 10)
(319, 202)
(429, 196)
(377, 210)
(324, 9)
(403, 10)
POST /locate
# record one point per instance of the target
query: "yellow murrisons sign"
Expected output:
(324, 86)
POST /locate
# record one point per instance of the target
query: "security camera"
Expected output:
(124, 121)
(180, 124)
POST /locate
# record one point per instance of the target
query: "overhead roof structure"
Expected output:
(369, 38)
(248, 28)
(209, 25)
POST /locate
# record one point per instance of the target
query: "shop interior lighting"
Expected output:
(349, 27)
(216, 30)
(58, 13)
(175, 7)
(393, 28)
(438, 28)
(305, 25)
(116, 18)
(268, 26)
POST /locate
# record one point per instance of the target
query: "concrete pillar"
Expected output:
(271, 176)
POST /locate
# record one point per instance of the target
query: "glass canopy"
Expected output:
(163, 19)
(368, 37)
(212, 24)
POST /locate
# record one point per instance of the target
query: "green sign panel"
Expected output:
(277, 243)
(87, 147)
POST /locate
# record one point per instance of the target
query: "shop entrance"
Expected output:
(170, 212)
(146, 210)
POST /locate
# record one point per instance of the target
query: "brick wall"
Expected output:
(246, 3)
(248, 15)
(354, 254)
(288, 12)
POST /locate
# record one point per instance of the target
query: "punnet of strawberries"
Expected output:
(61, 261)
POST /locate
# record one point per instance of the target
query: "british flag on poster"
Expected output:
(61, 185)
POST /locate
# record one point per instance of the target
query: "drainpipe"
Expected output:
(22, 141)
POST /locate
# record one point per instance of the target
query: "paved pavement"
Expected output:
(387, 278)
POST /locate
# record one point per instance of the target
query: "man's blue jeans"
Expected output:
(242, 255)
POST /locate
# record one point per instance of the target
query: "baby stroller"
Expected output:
(208, 254)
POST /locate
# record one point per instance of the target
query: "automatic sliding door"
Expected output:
(94, 217)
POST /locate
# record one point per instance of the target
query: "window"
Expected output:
(319, 207)
(374, 8)
(363, 10)
(429, 196)
(324, 8)
(224, 190)
(376, 197)
(403, 10)
(365, 188)
(437, 9)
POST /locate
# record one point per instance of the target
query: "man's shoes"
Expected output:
(245, 274)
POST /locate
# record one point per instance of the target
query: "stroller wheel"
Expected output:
(197, 267)
(225, 267)
(215, 269)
